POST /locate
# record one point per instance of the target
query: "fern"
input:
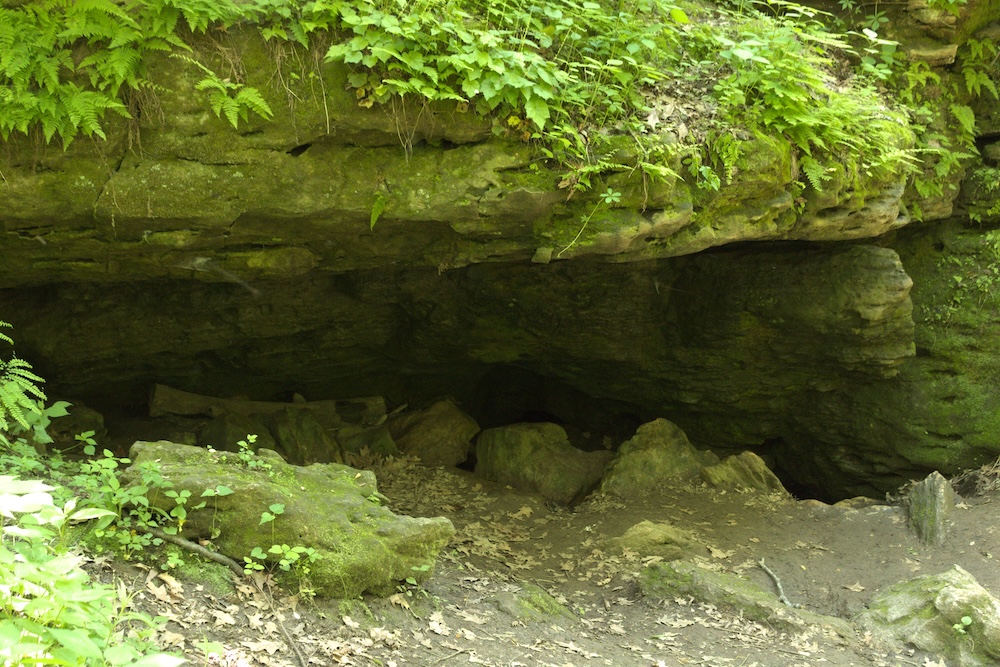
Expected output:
(815, 172)
(19, 392)
(232, 100)
(966, 117)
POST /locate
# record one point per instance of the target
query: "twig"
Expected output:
(452, 655)
(777, 583)
(292, 644)
(198, 549)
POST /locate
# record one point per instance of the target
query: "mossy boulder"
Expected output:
(539, 458)
(657, 455)
(743, 472)
(334, 509)
(439, 435)
(533, 603)
(650, 538)
(949, 614)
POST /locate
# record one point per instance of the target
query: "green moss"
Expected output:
(216, 578)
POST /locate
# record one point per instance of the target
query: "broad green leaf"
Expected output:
(78, 641)
(537, 110)
(90, 513)
(679, 16)
(159, 660)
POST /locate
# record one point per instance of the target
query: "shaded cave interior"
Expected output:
(721, 343)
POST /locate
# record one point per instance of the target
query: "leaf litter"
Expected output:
(507, 539)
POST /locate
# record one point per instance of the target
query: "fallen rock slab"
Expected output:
(726, 590)
(332, 508)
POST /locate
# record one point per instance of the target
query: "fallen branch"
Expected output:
(198, 549)
(235, 567)
(777, 583)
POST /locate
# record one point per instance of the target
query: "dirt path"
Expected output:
(524, 584)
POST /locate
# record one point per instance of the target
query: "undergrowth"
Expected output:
(565, 75)
(51, 612)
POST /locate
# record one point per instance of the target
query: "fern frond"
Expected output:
(815, 172)
(252, 99)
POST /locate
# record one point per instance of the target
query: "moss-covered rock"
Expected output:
(649, 538)
(532, 603)
(930, 612)
(539, 458)
(439, 435)
(730, 591)
(744, 471)
(362, 546)
(659, 454)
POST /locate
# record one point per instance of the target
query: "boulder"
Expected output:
(362, 546)
(742, 472)
(949, 614)
(539, 458)
(930, 503)
(532, 603)
(377, 440)
(301, 438)
(649, 538)
(440, 435)
(658, 453)
(225, 432)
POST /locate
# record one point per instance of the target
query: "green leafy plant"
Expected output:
(296, 560)
(50, 610)
(962, 626)
(221, 490)
(608, 198)
(232, 100)
(19, 394)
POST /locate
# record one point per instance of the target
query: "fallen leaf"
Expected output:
(222, 618)
(351, 623)
(522, 513)
(176, 589)
(267, 646)
(437, 624)
(171, 639)
(856, 587)
(160, 593)
(471, 618)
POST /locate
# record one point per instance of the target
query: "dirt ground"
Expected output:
(829, 559)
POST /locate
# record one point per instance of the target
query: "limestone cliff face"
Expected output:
(185, 252)
(280, 198)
